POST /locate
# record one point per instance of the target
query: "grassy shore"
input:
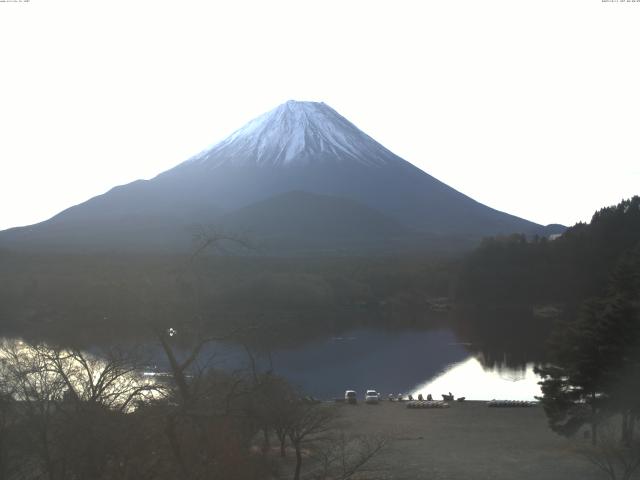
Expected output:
(468, 441)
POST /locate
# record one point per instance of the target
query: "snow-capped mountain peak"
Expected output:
(297, 133)
(299, 173)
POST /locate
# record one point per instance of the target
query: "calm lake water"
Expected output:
(408, 361)
(405, 361)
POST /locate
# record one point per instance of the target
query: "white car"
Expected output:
(350, 396)
(371, 396)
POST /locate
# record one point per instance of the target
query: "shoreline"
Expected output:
(468, 440)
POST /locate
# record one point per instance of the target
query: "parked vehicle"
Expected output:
(350, 396)
(372, 396)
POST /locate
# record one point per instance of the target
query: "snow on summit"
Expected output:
(299, 164)
(297, 133)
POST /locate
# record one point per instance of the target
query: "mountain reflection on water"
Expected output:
(471, 380)
(406, 361)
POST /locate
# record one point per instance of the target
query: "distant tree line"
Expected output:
(74, 297)
(517, 269)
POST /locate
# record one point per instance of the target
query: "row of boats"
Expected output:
(511, 403)
(427, 404)
(492, 403)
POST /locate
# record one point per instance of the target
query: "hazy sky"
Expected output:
(531, 107)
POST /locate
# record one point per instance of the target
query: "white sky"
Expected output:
(531, 107)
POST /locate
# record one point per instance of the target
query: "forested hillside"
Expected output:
(62, 295)
(575, 266)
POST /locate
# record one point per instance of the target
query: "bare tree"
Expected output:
(618, 458)
(207, 420)
(310, 423)
(272, 405)
(70, 404)
(200, 411)
(280, 413)
(111, 380)
(7, 420)
(190, 366)
(38, 390)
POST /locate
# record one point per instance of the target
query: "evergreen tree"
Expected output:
(595, 368)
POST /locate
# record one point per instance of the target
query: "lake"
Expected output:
(407, 361)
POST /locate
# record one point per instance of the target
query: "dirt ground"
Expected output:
(468, 441)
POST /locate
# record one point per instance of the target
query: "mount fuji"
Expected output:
(300, 177)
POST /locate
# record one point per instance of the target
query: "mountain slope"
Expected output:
(298, 146)
(308, 146)
(304, 221)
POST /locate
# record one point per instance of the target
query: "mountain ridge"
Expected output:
(298, 146)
